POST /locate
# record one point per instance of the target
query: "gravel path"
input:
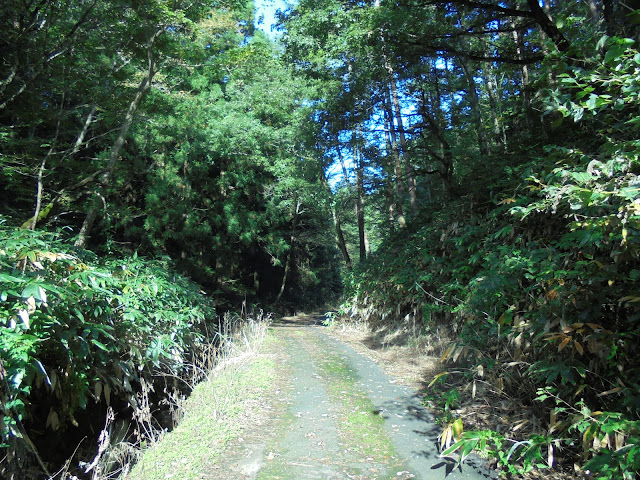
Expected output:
(339, 416)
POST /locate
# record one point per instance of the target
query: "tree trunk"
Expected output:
(360, 197)
(342, 245)
(499, 132)
(43, 164)
(392, 205)
(359, 200)
(548, 26)
(345, 173)
(392, 147)
(476, 114)
(287, 267)
(337, 223)
(445, 156)
(524, 76)
(143, 88)
(408, 168)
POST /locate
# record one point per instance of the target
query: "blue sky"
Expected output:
(268, 8)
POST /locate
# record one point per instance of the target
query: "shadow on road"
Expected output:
(300, 321)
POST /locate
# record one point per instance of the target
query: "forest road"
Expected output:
(337, 415)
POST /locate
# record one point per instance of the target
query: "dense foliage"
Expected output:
(533, 272)
(467, 169)
(172, 130)
(80, 331)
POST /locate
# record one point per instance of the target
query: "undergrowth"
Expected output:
(82, 337)
(539, 290)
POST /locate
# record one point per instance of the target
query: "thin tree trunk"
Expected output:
(39, 184)
(547, 25)
(388, 168)
(476, 114)
(358, 202)
(342, 245)
(491, 87)
(143, 88)
(498, 132)
(85, 129)
(41, 169)
(392, 95)
(359, 197)
(392, 204)
(408, 168)
(39, 214)
(345, 173)
(445, 156)
(360, 214)
(392, 146)
(337, 223)
(287, 266)
(39, 189)
(524, 76)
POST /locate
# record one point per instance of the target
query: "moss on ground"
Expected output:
(362, 428)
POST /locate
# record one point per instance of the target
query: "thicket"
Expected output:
(534, 274)
(81, 333)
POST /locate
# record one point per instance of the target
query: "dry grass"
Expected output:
(208, 418)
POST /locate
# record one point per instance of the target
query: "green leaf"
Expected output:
(614, 53)
(11, 279)
(42, 370)
(100, 345)
(629, 193)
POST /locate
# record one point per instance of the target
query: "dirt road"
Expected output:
(334, 414)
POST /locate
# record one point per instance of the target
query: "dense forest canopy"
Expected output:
(463, 167)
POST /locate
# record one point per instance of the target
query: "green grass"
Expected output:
(210, 423)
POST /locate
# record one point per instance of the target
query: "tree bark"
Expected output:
(359, 200)
(445, 156)
(362, 241)
(85, 129)
(548, 26)
(392, 205)
(342, 245)
(524, 76)
(287, 267)
(43, 164)
(499, 133)
(337, 223)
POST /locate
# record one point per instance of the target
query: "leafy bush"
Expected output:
(74, 329)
